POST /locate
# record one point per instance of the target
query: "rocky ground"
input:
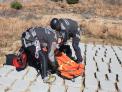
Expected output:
(103, 73)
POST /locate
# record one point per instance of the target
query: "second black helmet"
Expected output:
(54, 23)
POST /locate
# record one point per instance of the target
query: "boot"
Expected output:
(49, 79)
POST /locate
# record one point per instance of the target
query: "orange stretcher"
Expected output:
(69, 68)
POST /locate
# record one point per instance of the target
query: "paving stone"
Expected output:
(89, 76)
(73, 89)
(72, 84)
(112, 77)
(6, 69)
(113, 58)
(57, 88)
(89, 54)
(115, 61)
(100, 54)
(89, 73)
(31, 75)
(8, 75)
(17, 74)
(20, 85)
(116, 69)
(78, 79)
(77, 83)
(82, 47)
(58, 81)
(39, 87)
(100, 76)
(103, 68)
(120, 77)
(97, 59)
(91, 68)
(119, 53)
(119, 84)
(6, 81)
(2, 88)
(39, 79)
(106, 60)
(90, 60)
(108, 86)
(90, 45)
(103, 91)
(91, 83)
(14, 91)
(89, 90)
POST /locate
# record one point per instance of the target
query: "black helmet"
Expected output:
(54, 23)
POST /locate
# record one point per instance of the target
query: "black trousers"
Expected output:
(41, 63)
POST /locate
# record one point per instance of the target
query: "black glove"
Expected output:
(54, 66)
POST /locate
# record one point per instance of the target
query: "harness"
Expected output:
(31, 39)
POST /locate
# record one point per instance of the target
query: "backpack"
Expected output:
(20, 60)
(68, 68)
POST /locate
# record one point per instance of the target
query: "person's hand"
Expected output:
(57, 52)
(59, 40)
(44, 49)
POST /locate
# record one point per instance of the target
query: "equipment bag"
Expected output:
(20, 61)
(69, 68)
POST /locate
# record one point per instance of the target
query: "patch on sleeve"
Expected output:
(27, 36)
(62, 27)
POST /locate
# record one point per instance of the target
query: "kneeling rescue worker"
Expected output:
(36, 41)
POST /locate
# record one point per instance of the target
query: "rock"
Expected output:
(31, 75)
(20, 86)
(57, 88)
(6, 69)
(6, 81)
(91, 83)
(73, 89)
(58, 81)
(37, 87)
(19, 74)
(108, 86)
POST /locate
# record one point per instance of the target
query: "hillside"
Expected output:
(101, 20)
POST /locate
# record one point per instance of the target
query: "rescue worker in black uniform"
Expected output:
(67, 28)
(35, 40)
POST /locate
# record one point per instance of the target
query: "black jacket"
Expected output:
(40, 37)
(70, 28)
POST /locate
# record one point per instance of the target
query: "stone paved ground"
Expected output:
(103, 73)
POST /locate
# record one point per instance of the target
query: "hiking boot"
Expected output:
(49, 79)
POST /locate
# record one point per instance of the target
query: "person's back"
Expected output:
(68, 28)
(35, 40)
(44, 35)
(69, 25)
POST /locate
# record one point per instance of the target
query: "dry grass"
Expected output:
(103, 28)
(40, 12)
